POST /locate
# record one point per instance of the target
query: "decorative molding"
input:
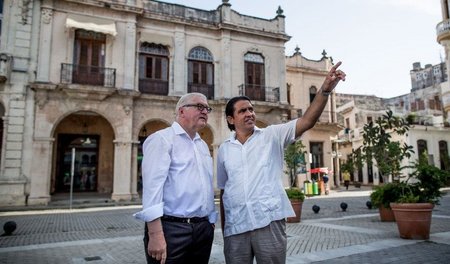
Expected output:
(41, 98)
(47, 15)
(127, 109)
(179, 39)
(86, 92)
(5, 65)
(122, 143)
(25, 9)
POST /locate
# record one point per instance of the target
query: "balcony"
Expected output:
(206, 89)
(260, 93)
(443, 30)
(151, 86)
(89, 75)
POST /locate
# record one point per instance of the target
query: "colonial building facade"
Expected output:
(82, 83)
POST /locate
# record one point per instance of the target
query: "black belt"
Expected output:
(169, 218)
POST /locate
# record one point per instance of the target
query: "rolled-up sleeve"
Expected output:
(155, 169)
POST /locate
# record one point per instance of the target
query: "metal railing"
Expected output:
(260, 92)
(90, 75)
(207, 90)
(151, 86)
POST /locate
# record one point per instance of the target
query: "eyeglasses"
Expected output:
(200, 107)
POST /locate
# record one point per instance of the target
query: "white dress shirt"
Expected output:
(177, 174)
(251, 176)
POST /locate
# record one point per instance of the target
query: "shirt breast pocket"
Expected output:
(233, 166)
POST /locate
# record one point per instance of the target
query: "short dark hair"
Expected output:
(229, 109)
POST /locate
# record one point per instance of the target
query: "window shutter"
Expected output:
(164, 69)
(210, 74)
(142, 67)
(190, 72)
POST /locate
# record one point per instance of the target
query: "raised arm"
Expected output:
(312, 114)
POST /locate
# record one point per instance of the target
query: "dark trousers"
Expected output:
(186, 242)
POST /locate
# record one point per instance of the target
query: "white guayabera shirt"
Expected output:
(251, 176)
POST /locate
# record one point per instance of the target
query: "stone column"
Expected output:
(11, 184)
(179, 63)
(41, 171)
(365, 174)
(45, 41)
(281, 61)
(130, 55)
(226, 79)
(122, 171)
(13, 144)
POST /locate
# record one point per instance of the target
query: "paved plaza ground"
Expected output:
(111, 235)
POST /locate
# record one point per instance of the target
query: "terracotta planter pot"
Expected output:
(413, 219)
(297, 206)
(386, 214)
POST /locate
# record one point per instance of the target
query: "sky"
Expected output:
(376, 40)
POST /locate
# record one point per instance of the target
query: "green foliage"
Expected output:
(379, 146)
(411, 119)
(294, 156)
(422, 186)
(295, 194)
(386, 194)
(424, 183)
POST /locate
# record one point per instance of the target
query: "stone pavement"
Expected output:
(112, 235)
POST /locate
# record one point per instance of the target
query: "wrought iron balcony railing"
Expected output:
(207, 90)
(90, 75)
(151, 86)
(260, 92)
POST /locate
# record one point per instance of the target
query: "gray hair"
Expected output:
(187, 99)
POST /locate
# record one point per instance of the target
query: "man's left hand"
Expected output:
(333, 78)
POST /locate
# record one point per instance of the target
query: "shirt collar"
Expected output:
(232, 137)
(179, 130)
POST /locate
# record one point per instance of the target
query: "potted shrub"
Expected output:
(296, 196)
(387, 154)
(294, 156)
(382, 196)
(421, 191)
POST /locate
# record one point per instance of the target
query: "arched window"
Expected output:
(201, 72)
(312, 93)
(254, 76)
(153, 69)
(200, 54)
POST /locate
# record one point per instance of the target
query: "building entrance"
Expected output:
(86, 162)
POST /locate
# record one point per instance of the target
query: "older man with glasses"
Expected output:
(178, 195)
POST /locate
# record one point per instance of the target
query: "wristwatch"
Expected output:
(324, 93)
